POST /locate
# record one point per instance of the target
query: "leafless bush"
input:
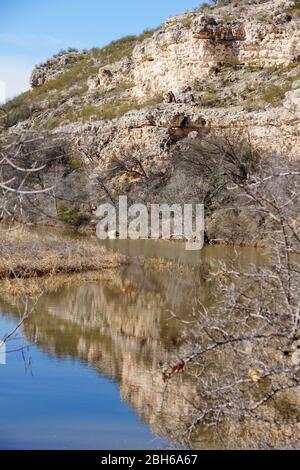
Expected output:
(23, 162)
(128, 165)
(217, 162)
(244, 351)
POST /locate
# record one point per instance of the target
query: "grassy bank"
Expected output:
(24, 254)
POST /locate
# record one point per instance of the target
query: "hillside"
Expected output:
(128, 110)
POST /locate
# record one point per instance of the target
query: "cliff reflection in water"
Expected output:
(124, 330)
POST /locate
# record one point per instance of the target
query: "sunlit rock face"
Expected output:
(187, 47)
(223, 69)
(53, 68)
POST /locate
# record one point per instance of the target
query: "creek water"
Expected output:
(84, 371)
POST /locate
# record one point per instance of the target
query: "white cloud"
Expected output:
(14, 75)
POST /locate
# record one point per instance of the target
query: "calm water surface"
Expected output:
(89, 378)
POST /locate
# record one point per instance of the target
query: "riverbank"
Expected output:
(25, 254)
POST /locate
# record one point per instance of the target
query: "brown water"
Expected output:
(96, 350)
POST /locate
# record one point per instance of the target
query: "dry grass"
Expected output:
(25, 254)
(34, 287)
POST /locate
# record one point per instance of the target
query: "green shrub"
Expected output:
(74, 163)
(16, 115)
(109, 110)
(253, 68)
(123, 87)
(70, 215)
(53, 123)
(74, 74)
(146, 34)
(17, 110)
(210, 98)
(112, 109)
(73, 83)
(187, 21)
(120, 48)
(232, 62)
(228, 17)
(274, 94)
(205, 6)
(116, 50)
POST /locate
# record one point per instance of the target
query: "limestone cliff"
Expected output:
(235, 65)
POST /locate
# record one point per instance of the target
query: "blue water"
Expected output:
(63, 404)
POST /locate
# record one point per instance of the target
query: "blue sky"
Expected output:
(32, 30)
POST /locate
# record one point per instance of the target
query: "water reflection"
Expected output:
(123, 328)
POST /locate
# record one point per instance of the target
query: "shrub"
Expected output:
(112, 109)
(121, 48)
(73, 82)
(16, 115)
(116, 50)
(210, 98)
(253, 68)
(16, 110)
(74, 163)
(274, 94)
(70, 215)
(148, 33)
(187, 21)
(232, 62)
(109, 110)
(205, 6)
(123, 87)
(76, 73)
(53, 123)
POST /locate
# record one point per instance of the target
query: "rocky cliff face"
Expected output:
(53, 67)
(188, 46)
(234, 67)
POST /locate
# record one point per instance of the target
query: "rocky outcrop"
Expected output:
(186, 47)
(150, 134)
(292, 101)
(111, 76)
(176, 54)
(53, 68)
(233, 68)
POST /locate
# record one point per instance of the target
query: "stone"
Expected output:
(292, 101)
(52, 68)
(296, 84)
(169, 97)
(110, 76)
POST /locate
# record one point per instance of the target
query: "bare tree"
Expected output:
(23, 162)
(243, 353)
